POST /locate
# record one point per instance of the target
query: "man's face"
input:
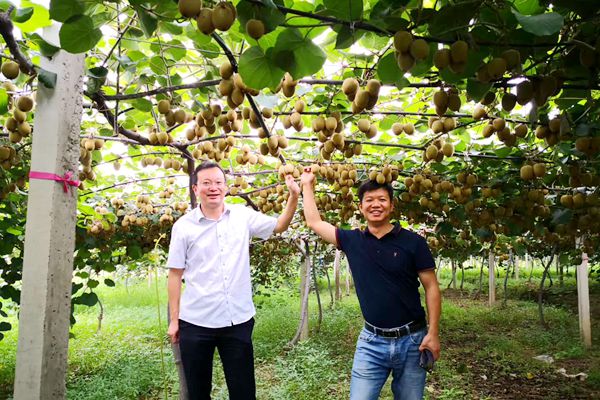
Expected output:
(210, 187)
(376, 205)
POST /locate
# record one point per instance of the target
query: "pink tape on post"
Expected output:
(66, 179)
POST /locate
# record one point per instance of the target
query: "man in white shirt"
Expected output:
(210, 250)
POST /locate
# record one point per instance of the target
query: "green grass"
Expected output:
(485, 351)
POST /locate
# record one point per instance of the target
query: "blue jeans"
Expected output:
(376, 356)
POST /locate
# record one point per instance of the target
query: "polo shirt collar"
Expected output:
(200, 215)
(395, 231)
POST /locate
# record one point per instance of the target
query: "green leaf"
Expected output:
(46, 48)
(142, 105)
(98, 72)
(528, 7)
(257, 70)
(562, 216)
(346, 36)
(88, 299)
(157, 65)
(109, 282)
(134, 251)
(78, 34)
(476, 90)
(148, 21)
(452, 18)
(92, 283)
(22, 14)
(47, 78)
(62, 10)
(347, 10)
(5, 326)
(389, 73)
(14, 231)
(39, 19)
(541, 24)
(3, 101)
(297, 55)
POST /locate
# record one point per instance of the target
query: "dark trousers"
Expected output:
(234, 344)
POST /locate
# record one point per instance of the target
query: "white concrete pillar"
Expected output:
(492, 278)
(50, 235)
(583, 300)
(336, 274)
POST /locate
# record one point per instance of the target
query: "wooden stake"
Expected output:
(50, 235)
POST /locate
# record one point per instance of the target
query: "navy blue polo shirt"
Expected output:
(386, 273)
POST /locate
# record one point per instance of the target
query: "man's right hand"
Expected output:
(173, 331)
(308, 177)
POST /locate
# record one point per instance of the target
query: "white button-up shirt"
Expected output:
(216, 262)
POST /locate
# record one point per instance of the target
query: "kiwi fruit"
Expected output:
(405, 61)
(419, 49)
(364, 125)
(441, 59)
(25, 103)
(350, 86)
(512, 58)
(255, 28)
(10, 69)
(496, 68)
(190, 8)
(521, 130)
(448, 149)
(524, 92)
(440, 99)
(459, 52)
(539, 170)
(431, 152)
(204, 21)
(397, 128)
(509, 101)
(402, 41)
(408, 128)
(226, 70)
(362, 99)
(373, 86)
(223, 16)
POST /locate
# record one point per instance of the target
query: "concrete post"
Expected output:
(583, 299)
(50, 236)
(492, 278)
(336, 274)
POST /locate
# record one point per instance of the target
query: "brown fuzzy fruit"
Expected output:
(521, 130)
(459, 52)
(408, 128)
(402, 41)
(226, 70)
(524, 92)
(223, 16)
(349, 86)
(10, 69)
(539, 170)
(509, 101)
(419, 49)
(405, 61)
(25, 103)
(431, 152)
(190, 8)
(512, 58)
(164, 106)
(448, 149)
(204, 21)
(496, 68)
(441, 58)
(255, 28)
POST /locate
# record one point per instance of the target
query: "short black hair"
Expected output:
(369, 186)
(206, 165)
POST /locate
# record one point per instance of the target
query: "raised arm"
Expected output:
(283, 221)
(313, 219)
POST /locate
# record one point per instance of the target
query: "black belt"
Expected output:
(403, 330)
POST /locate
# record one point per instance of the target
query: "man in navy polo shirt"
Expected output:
(387, 263)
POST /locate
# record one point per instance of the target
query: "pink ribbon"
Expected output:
(66, 179)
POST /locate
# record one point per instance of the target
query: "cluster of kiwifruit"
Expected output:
(97, 227)
(246, 156)
(539, 88)
(17, 124)
(239, 184)
(502, 130)
(131, 219)
(102, 210)
(273, 145)
(326, 202)
(287, 85)
(589, 56)
(221, 17)
(233, 87)
(117, 202)
(437, 150)
(578, 178)
(8, 157)
(217, 150)
(365, 126)
(454, 58)
(342, 177)
(172, 117)
(181, 206)
(143, 202)
(446, 99)
(294, 120)
(158, 137)
(556, 130)
(529, 172)
(85, 157)
(433, 242)
(167, 193)
(266, 203)
(589, 145)
(385, 174)
(406, 127)
(496, 67)
(149, 161)
(441, 125)
(288, 169)
(10, 69)
(174, 164)
(409, 50)
(362, 99)
(422, 184)
(579, 200)
(167, 217)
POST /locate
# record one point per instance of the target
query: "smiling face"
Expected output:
(210, 188)
(376, 206)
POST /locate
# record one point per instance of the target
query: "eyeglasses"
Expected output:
(209, 184)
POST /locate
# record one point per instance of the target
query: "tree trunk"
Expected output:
(462, 276)
(336, 273)
(320, 317)
(302, 331)
(541, 290)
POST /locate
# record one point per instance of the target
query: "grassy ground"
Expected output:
(487, 353)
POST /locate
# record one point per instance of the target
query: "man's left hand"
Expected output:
(292, 185)
(431, 342)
